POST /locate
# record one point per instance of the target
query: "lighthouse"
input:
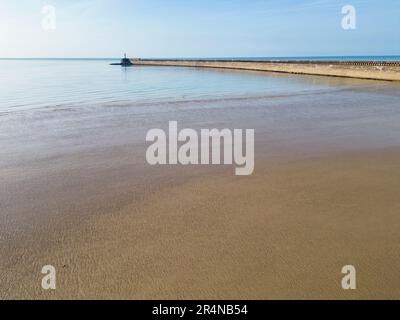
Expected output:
(125, 62)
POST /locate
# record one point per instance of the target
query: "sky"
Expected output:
(202, 28)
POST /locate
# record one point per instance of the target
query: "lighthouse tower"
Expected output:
(125, 62)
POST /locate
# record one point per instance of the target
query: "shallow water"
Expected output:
(31, 84)
(50, 108)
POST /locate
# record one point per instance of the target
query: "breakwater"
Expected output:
(389, 71)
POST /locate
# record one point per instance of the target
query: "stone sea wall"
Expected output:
(389, 71)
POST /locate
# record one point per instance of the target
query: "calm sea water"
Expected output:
(29, 84)
(51, 110)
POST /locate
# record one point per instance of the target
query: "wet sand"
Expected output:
(79, 195)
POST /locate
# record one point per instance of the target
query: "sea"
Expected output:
(30, 84)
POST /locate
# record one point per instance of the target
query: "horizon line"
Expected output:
(194, 57)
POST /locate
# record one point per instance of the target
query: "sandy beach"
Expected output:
(79, 195)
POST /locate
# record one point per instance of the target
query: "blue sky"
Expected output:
(202, 28)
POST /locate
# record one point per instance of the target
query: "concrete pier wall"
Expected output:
(389, 71)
